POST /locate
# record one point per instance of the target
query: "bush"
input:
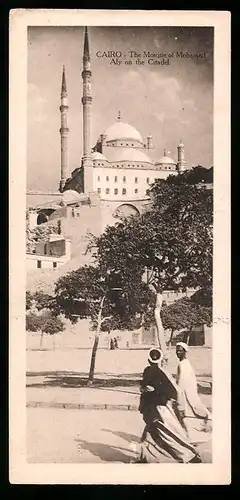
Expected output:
(46, 322)
(33, 322)
(52, 325)
(29, 300)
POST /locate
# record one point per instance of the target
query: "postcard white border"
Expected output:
(21, 472)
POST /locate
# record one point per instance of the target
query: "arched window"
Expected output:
(115, 191)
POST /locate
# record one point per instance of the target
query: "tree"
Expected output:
(33, 322)
(185, 313)
(47, 322)
(43, 300)
(104, 296)
(195, 175)
(173, 240)
(170, 244)
(51, 325)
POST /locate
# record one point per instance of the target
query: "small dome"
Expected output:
(98, 156)
(124, 131)
(70, 196)
(129, 154)
(165, 160)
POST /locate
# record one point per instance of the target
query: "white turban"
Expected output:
(150, 355)
(183, 345)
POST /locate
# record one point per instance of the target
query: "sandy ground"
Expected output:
(86, 436)
(115, 362)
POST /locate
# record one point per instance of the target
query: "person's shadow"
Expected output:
(124, 435)
(106, 452)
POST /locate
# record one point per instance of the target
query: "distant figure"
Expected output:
(115, 343)
(127, 344)
(196, 415)
(112, 347)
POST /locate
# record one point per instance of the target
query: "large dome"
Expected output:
(129, 154)
(121, 130)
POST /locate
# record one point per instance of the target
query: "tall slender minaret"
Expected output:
(181, 159)
(87, 162)
(63, 132)
(149, 142)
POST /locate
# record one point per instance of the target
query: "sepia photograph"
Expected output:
(120, 213)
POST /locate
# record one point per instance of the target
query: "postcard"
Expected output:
(119, 247)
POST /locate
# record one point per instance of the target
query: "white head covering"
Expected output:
(155, 360)
(183, 345)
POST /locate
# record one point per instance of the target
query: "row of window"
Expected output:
(123, 179)
(122, 144)
(124, 191)
(162, 167)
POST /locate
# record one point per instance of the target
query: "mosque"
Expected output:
(112, 180)
(117, 171)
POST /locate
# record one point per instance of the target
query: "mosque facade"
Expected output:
(114, 174)
(119, 169)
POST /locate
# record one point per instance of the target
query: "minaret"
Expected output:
(149, 142)
(87, 162)
(63, 132)
(181, 160)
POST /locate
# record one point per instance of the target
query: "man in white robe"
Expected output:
(196, 415)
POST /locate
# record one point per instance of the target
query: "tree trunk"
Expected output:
(189, 335)
(53, 341)
(160, 330)
(41, 339)
(93, 359)
(140, 337)
(171, 336)
(95, 345)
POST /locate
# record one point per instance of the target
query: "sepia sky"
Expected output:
(171, 102)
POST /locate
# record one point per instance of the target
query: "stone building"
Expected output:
(114, 174)
(111, 182)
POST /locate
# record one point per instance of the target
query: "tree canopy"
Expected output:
(79, 293)
(172, 240)
(195, 175)
(185, 313)
(168, 247)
